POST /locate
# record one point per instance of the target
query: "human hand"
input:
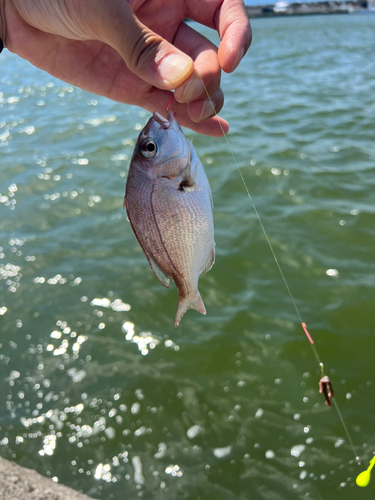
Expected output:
(134, 51)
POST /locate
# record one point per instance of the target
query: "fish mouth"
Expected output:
(165, 123)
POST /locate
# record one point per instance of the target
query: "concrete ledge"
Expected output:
(19, 483)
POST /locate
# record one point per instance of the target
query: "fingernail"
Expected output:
(238, 58)
(193, 90)
(207, 110)
(175, 69)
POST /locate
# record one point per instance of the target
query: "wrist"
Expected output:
(2, 22)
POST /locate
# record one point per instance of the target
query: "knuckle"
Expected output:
(144, 50)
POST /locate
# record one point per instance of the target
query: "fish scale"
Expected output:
(169, 205)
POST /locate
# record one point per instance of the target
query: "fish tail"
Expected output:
(192, 301)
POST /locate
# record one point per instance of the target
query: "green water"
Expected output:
(106, 395)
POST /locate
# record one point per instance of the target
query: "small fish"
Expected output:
(169, 204)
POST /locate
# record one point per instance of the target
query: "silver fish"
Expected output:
(169, 205)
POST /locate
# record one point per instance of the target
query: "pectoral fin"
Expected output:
(189, 175)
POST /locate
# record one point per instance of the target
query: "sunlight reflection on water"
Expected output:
(101, 391)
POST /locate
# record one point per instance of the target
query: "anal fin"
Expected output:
(161, 276)
(210, 262)
(123, 207)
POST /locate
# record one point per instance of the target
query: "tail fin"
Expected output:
(190, 302)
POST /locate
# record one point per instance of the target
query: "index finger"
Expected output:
(231, 21)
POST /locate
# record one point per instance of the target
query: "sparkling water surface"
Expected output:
(98, 389)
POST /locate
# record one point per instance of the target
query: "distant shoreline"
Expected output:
(283, 8)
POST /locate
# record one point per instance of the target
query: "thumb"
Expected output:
(146, 53)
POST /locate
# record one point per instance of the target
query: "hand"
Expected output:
(134, 51)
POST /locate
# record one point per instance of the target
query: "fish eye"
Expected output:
(148, 148)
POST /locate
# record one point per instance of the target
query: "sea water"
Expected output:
(98, 389)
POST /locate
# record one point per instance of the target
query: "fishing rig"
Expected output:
(325, 385)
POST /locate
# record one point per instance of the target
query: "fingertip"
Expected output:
(203, 109)
(232, 48)
(175, 69)
(207, 72)
(190, 90)
(223, 126)
(214, 127)
(229, 60)
(238, 58)
(204, 80)
(158, 100)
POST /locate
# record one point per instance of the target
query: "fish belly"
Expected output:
(185, 223)
(175, 230)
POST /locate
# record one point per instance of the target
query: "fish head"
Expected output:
(162, 149)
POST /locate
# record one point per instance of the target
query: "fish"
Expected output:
(169, 205)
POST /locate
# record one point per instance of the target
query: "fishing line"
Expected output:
(324, 384)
